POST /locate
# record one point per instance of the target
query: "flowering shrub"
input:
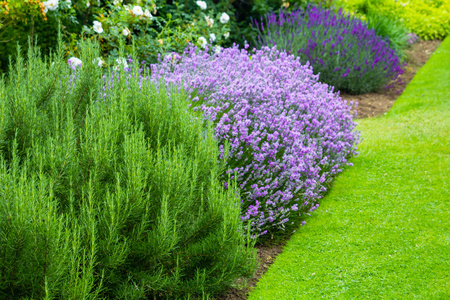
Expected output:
(158, 27)
(288, 133)
(345, 53)
(246, 10)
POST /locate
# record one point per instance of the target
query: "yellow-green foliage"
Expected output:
(429, 19)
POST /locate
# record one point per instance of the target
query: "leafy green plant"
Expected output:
(37, 20)
(110, 195)
(158, 28)
(428, 19)
(15, 11)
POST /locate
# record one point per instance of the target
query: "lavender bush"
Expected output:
(288, 134)
(341, 49)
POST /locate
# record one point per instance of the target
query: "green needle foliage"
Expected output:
(111, 196)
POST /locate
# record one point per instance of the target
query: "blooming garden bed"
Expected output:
(156, 158)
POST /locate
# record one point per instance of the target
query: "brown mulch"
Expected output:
(375, 104)
(369, 105)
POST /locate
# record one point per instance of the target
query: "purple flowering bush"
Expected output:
(284, 133)
(342, 50)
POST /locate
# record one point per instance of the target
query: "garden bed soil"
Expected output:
(369, 105)
(375, 104)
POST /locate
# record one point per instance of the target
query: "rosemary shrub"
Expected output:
(111, 196)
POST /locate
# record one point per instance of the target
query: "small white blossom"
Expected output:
(88, 4)
(226, 34)
(121, 62)
(98, 27)
(217, 49)
(224, 18)
(126, 32)
(202, 41)
(212, 36)
(148, 14)
(202, 4)
(137, 10)
(99, 62)
(116, 2)
(74, 62)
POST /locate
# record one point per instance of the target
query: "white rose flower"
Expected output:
(98, 27)
(202, 5)
(148, 14)
(212, 36)
(226, 34)
(224, 18)
(126, 32)
(51, 5)
(202, 41)
(137, 10)
(45, 7)
(74, 62)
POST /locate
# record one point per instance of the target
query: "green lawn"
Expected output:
(383, 232)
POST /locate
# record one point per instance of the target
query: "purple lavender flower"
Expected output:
(337, 45)
(286, 131)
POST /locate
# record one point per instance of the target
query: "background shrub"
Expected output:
(341, 49)
(111, 195)
(289, 134)
(159, 27)
(21, 20)
(246, 10)
(429, 19)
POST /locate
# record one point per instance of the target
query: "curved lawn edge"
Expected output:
(383, 231)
